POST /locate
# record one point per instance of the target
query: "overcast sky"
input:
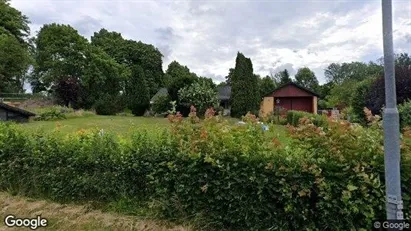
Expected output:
(206, 35)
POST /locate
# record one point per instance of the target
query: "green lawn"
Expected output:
(121, 125)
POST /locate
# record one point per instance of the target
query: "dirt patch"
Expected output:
(75, 217)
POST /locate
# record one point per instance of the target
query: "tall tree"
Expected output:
(14, 62)
(245, 95)
(229, 76)
(14, 48)
(131, 53)
(306, 78)
(137, 91)
(60, 53)
(14, 23)
(102, 75)
(357, 71)
(333, 73)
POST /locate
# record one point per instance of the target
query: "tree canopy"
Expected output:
(14, 48)
(306, 78)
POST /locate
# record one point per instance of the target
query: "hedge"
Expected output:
(236, 178)
(293, 118)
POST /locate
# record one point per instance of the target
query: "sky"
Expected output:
(206, 35)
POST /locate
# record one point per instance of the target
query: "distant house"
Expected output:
(10, 113)
(162, 92)
(290, 96)
(224, 94)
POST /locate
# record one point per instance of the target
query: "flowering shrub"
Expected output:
(233, 177)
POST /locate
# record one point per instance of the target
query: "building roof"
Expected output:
(224, 92)
(162, 92)
(296, 85)
(16, 109)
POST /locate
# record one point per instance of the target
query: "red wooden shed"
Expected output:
(290, 96)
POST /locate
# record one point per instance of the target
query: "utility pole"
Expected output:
(391, 122)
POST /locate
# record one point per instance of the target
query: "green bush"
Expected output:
(161, 104)
(358, 102)
(53, 113)
(405, 113)
(107, 105)
(293, 118)
(233, 177)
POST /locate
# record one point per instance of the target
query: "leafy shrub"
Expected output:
(405, 113)
(52, 113)
(358, 102)
(106, 105)
(233, 177)
(200, 94)
(293, 118)
(161, 104)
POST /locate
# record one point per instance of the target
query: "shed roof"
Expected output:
(296, 85)
(224, 92)
(16, 109)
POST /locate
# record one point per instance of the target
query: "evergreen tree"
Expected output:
(137, 91)
(245, 96)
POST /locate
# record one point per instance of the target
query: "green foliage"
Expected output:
(53, 113)
(14, 62)
(229, 76)
(266, 85)
(354, 71)
(161, 104)
(306, 78)
(233, 177)
(137, 92)
(200, 94)
(59, 53)
(178, 77)
(294, 117)
(359, 101)
(405, 114)
(282, 78)
(342, 95)
(131, 53)
(14, 48)
(107, 105)
(14, 23)
(245, 95)
(102, 75)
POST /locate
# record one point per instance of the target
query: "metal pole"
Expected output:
(391, 122)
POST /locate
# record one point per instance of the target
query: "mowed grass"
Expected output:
(125, 125)
(121, 125)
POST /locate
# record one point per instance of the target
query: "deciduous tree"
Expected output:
(14, 48)
(306, 78)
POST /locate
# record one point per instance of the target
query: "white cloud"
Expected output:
(206, 35)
